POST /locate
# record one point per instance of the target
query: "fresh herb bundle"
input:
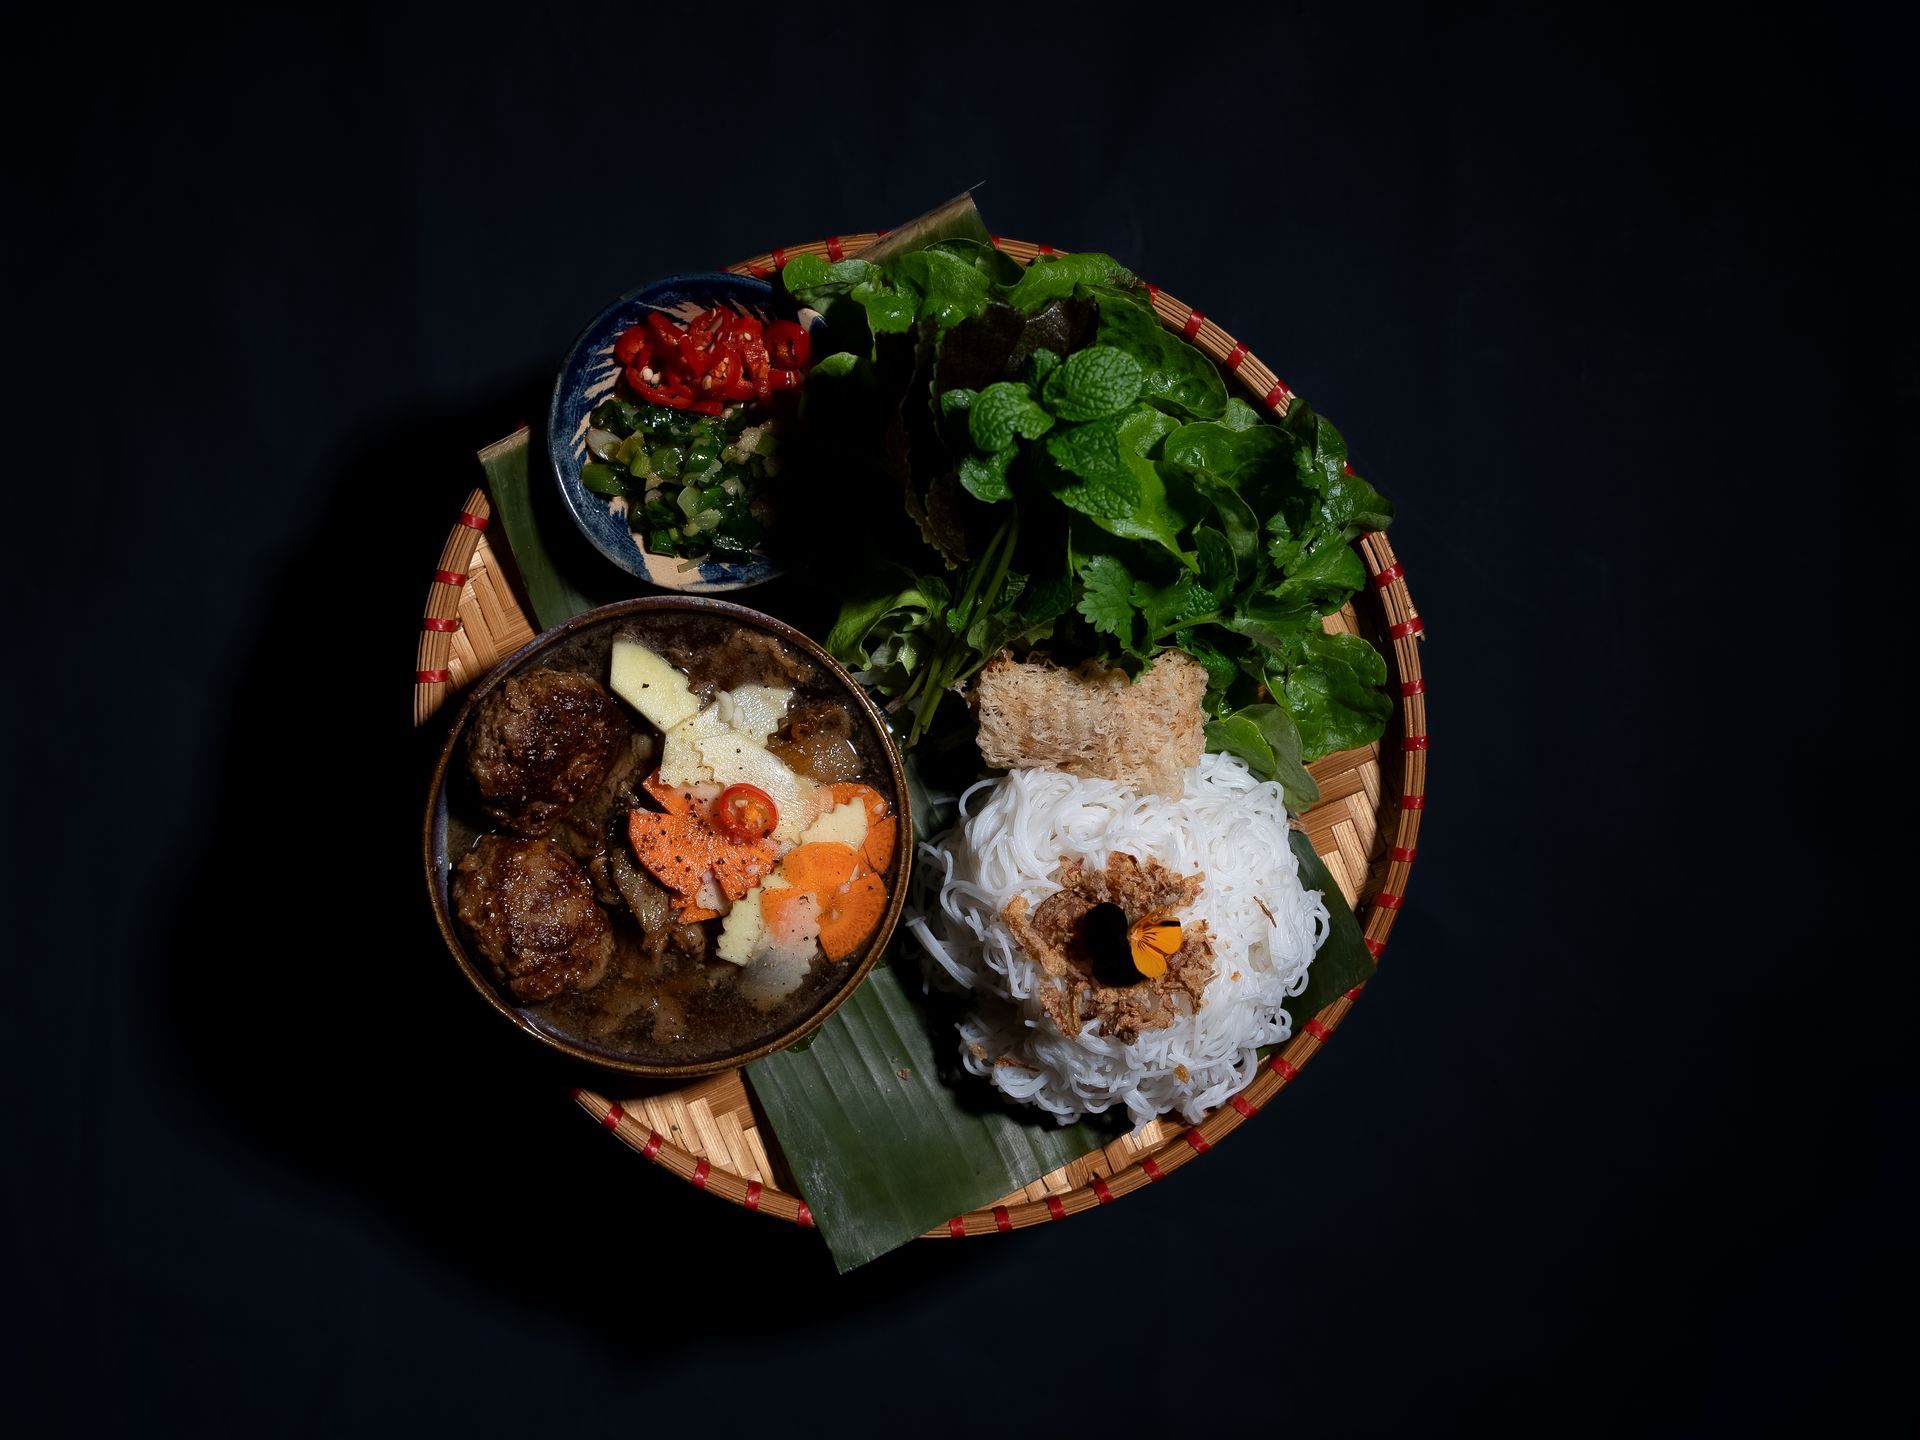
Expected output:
(1085, 486)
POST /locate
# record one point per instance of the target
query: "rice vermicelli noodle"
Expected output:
(1013, 837)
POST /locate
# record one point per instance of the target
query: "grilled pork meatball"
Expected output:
(540, 743)
(529, 910)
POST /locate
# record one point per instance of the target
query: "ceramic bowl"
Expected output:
(589, 377)
(453, 822)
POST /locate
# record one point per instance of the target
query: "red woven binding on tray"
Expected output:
(439, 626)
(1153, 1171)
(455, 578)
(1401, 853)
(1318, 1031)
(1283, 1067)
(1413, 802)
(805, 1217)
(432, 677)
(473, 522)
(1387, 900)
(1414, 687)
(1002, 1221)
(1392, 573)
(1153, 291)
(1194, 320)
(611, 1120)
(1236, 357)
(957, 1227)
(1415, 742)
(1376, 946)
(1101, 1192)
(752, 1200)
(836, 252)
(1055, 1208)
(1198, 1141)
(1412, 626)
(1274, 397)
(779, 259)
(1046, 250)
(1239, 1102)
(700, 1173)
(654, 1141)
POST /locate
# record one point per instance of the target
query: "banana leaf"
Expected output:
(957, 219)
(1343, 961)
(886, 1136)
(543, 569)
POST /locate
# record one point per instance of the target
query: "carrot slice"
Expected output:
(739, 867)
(677, 848)
(693, 914)
(881, 827)
(674, 802)
(776, 907)
(849, 916)
(822, 867)
(681, 849)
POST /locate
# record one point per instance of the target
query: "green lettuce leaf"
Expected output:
(1057, 277)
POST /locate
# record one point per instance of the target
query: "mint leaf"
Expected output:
(953, 401)
(1040, 364)
(1105, 596)
(1094, 383)
(1057, 277)
(1113, 483)
(1178, 377)
(985, 477)
(1002, 411)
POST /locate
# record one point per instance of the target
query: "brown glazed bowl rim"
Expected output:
(433, 834)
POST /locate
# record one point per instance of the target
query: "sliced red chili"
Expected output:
(663, 330)
(779, 379)
(706, 407)
(721, 373)
(745, 812)
(633, 346)
(788, 345)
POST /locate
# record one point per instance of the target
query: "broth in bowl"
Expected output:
(673, 838)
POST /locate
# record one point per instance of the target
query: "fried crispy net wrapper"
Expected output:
(1092, 721)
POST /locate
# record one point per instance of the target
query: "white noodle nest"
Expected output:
(1013, 836)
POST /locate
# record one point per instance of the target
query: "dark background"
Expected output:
(1614, 306)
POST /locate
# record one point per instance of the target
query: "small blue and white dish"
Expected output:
(589, 377)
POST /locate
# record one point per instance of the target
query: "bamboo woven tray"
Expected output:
(1365, 828)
